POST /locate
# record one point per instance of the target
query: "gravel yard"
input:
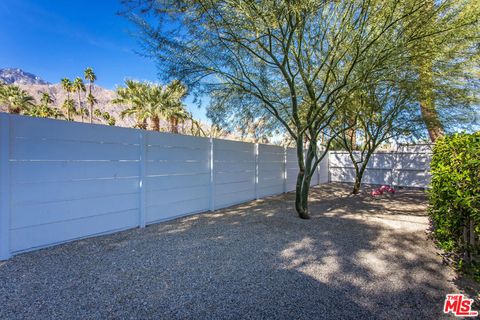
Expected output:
(357, 258)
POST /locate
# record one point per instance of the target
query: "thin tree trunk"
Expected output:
(173, 125)
(142, 124)
(80, 105)
(304, 177)
(359, 172)
(426, 94)
(155, 123)
(427, 103)
(430, 117)
(299, 206)
(91, 102)
(68, 106)
(352, 134)
(358, 178)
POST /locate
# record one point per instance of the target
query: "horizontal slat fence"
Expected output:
(406, 167)
(61, 181)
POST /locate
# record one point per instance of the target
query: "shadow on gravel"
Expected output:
(256, 260)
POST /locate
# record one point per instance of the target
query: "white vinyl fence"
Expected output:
(61, 180)
(408, 166)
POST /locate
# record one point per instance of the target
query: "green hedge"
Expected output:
(455, 198)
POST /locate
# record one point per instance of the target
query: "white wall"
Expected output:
(407, 167)
(61, 180)
(69, 180)
(271, 170)
(233, 172)
(177, 175)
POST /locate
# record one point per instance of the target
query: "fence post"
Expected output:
(255, 151)
(284, 169)
(329, 179)
(394, 172)
(4, 187)
(143, 159)
(212, 178)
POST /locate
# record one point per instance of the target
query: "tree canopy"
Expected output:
(297, 62)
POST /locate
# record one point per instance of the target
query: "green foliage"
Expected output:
(69, 107)
(15, 99)
(291, 65)
(106, 115)
(90, 76)
(455, 197)
(154, 102)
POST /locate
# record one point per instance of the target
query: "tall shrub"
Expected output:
(455, 197)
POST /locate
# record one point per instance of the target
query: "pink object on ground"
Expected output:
(387, 189)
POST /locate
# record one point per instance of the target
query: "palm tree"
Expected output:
(174, 110)
(79, 87)
(46, 99)
(44, 110)
(89, 75)
(153, 102)
(91, 100)
(134, 96)
(97, 113)
(68, 104)
(15, 99)
(69, 107)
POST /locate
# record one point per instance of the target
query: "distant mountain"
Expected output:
(18, 76)
(35, 86)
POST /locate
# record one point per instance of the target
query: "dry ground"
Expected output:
(357, 258)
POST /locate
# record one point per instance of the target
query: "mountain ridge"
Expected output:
(36, 86)
(18, 76)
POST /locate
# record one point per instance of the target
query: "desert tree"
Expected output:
(381, 111)
(298, 59)
(446, 65)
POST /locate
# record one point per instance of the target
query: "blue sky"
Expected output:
(59, 38)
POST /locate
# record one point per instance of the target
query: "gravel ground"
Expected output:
(357, 258)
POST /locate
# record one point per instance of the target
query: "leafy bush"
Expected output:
(455, 198)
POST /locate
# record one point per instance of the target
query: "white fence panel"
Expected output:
(291, 166)
(403, 168)
(323, 170)
(271, 170)
(177, 175)
(233, 172)
(70, 180)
